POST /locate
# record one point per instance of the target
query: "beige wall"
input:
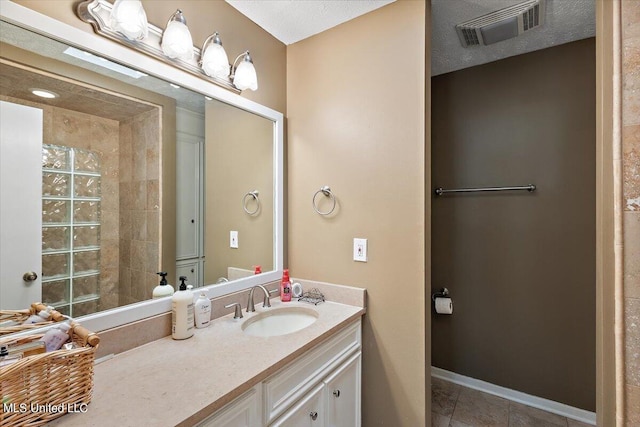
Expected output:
(631, 202)
(238, 34)
(356, 118)
(239, 158)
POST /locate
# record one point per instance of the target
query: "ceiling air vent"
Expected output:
(502, 24)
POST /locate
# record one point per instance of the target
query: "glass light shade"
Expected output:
(215, 61)
(129, 18)
(245, 76)
(177, 41)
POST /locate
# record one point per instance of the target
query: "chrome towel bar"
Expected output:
(440, 191)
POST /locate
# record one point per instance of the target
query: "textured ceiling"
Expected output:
(293, 20)
(17, 83)
(565, 21)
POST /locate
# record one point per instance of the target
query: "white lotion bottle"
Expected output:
(164, 289)
(182, 312)
(56, 336)
(203, 310)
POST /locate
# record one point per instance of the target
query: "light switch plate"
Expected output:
(360, 250)
(233, 239)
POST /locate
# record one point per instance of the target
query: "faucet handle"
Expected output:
(238, 311)
(267, 302)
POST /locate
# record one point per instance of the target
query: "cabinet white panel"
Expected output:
(309, 412)
(293, 381)
(242, 412)
(188, 196)
(190, 269)
(342, 394)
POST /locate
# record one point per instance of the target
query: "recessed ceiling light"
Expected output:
(42, 93)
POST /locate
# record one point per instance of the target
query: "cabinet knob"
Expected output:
(336, 393)
(193, 221)
(193, 270)
(314, 415)
(29, 276)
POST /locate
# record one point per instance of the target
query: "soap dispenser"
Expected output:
(203, 310)
(163, 289)
(182, 312)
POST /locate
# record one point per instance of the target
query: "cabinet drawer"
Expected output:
(309, 412)
(294, 380)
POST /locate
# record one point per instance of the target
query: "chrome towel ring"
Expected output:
(251, 195)
(326, 190)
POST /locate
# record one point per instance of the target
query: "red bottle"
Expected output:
(285, 287)
(257, 270)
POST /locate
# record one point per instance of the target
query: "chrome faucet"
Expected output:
(265, 303)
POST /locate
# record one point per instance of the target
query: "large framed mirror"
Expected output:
(140, 167)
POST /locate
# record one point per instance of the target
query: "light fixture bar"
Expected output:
(98, 12)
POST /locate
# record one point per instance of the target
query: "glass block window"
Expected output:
(71, 197)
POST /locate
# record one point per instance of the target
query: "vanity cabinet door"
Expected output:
(242, 412)
(342, 393)
(308, 412)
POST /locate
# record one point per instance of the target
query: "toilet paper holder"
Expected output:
(444, 293)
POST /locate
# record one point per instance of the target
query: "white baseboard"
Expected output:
(516, 396)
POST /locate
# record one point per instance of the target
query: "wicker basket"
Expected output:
(20, 316)
(39, 388)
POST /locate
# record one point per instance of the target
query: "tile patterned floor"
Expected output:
(453, 405)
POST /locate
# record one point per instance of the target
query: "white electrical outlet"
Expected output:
(360, 250)
(233, 239)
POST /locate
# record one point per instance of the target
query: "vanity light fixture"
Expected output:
(244, 74)
(43, 93)
(176, 39)
(129, 18)
(214, 61)
(159, 44)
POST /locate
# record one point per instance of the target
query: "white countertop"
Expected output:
(169, 382)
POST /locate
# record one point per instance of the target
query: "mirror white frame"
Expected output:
(49, 27)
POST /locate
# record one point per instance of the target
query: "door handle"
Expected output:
(29, 276)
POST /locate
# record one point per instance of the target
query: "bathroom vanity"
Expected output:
(225, 377)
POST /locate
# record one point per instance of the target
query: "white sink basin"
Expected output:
(279, 321)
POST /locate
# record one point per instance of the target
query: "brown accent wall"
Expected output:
(239, 155)
(356, 120)
(238, 34)
(631, 201)
(520, 267)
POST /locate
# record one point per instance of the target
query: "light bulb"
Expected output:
(215, 62)
(129, 18)
(176, 39)
(245, 75)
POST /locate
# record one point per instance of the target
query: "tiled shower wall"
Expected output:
(80, 130)
(140, 213)
(631, 200)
